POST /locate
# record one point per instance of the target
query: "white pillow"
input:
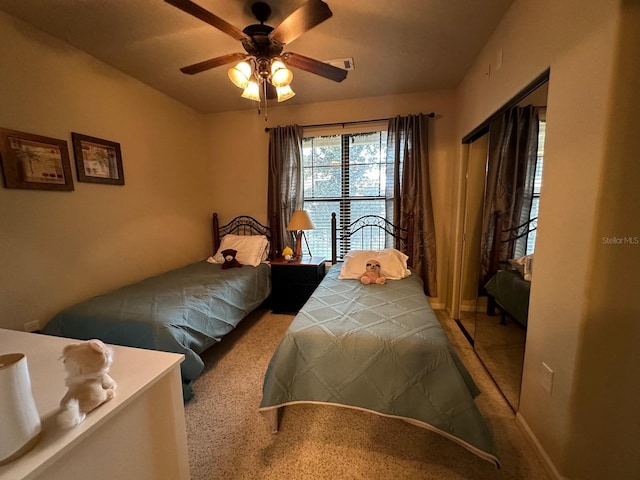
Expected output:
(393, 263)
(252, 249)
(524, 265)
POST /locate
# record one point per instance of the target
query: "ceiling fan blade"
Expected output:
(212, 63)
(208, 17)
(304, 18)
(314, 66)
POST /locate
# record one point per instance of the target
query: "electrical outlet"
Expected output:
(546, 381)
(32, 326)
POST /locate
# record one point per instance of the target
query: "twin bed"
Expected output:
(186, 310)
(509, 284)
(377, 348)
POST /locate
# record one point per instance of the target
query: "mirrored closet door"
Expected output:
(501, 195)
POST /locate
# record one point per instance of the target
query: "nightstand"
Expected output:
(292, 283)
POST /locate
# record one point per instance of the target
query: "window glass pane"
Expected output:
(322, 151)
(322, 182)
(537, 185)
(322, 166)
(350, 183)
(320, 238)
(367, 169)
(366, 180)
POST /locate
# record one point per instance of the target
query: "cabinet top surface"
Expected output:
(300, 262)
(135, 370)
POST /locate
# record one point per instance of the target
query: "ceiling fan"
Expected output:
(262, 70)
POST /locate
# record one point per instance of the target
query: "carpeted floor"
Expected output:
(228, 437)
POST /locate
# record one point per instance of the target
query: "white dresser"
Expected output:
(140, 434)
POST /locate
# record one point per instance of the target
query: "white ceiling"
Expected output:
(398, 46)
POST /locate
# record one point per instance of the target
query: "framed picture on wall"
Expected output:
(97, 160)
(34, 162)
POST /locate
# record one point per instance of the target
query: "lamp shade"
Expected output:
(240, 74)
(300, 220)
(18, 413)
(284, 93)
(252, 91)
(281, 76)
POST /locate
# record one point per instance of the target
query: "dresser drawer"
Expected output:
(296, 274)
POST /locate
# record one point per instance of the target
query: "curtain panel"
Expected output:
(285, 192)
(409, 190)
(511, 167)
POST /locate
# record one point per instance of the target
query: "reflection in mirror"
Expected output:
(472, 227)
(494, 288)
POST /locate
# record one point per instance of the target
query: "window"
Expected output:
(537, 184)
(346, 174)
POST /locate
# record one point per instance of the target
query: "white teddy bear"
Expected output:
(88, 382)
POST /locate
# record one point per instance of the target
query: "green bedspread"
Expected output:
(182, 311)
(511, 291)
(379, 348)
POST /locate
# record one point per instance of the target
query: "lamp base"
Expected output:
(298, 252)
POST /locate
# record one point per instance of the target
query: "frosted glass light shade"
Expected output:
(252, 91)
(281, 76)
(240, 74)
(284, 93)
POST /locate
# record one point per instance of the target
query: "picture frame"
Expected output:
(34, 162)
(97, 160)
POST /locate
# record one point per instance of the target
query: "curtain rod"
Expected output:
(431, 115)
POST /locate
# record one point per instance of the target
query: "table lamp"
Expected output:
(18, 412)
(299, 222)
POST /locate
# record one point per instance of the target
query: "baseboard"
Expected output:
(437, 306)
(542, 454)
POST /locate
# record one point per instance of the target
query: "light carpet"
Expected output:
(228, 438)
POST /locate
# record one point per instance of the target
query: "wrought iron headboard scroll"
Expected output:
(241, 225)
(507, 236)
(370, 227)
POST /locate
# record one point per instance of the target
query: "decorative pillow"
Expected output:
(393, 263)
(517, 265)
(252, 249)
(524, 265)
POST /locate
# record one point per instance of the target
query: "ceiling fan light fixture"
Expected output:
(240, 74)
(284, 93)
(252, 91)
(281, 76)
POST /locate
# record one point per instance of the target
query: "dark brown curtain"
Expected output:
(410, 189)
(285, 181)
(511, 167)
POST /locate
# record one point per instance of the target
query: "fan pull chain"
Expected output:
(266, 110)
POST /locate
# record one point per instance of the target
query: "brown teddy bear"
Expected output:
(88, 382)
(230, 261)
(372, 273)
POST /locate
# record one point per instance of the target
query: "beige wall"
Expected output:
(240, 147)
(589, 164)
(60, 247)
(607, 369)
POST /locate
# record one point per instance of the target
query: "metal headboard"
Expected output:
(368, 227)
(241, 225)
(508, 236)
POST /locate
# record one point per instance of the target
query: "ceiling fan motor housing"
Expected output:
(259, 44)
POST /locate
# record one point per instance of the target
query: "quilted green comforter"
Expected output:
(379, 348)
(182, 311)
